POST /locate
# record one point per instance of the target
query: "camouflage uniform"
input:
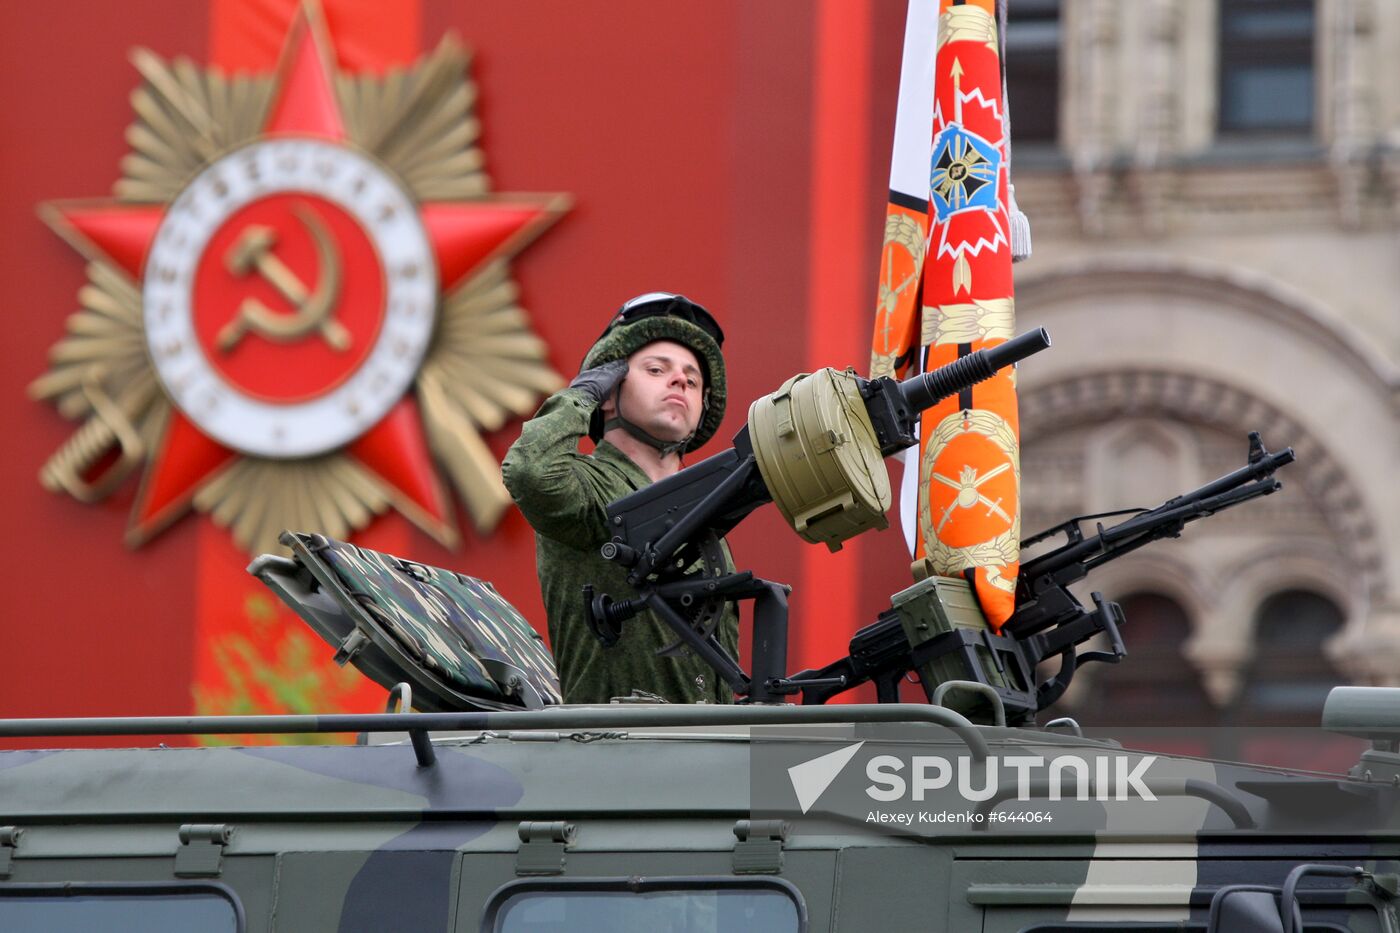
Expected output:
(563, 494)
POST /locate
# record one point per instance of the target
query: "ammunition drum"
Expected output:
(818, 455)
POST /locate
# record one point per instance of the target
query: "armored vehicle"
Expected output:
(478, 801)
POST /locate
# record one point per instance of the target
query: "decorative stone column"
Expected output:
(1349, 28)
(1369, 653)
(1090, 105)
(1159, 114)
(1221, 663)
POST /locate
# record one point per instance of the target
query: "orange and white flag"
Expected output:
(946, 290)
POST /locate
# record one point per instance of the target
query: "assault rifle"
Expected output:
(1048, 620)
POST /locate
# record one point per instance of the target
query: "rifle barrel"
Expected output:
(1208, 498)
(1264, 466)
(928, 389)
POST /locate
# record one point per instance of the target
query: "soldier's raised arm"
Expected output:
(557, 488)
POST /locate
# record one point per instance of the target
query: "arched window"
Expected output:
(1155, 685)
(1289, 675)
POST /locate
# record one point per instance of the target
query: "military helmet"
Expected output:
(665, 316)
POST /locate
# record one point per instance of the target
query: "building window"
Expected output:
(1290, 676)
(1266, 67)
(1033, 70)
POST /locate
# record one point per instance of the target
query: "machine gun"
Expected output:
(815, 448)
(1048, 620)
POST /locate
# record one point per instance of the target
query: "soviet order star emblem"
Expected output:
(299, 306)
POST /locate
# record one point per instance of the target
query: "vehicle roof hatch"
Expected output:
(453, 638)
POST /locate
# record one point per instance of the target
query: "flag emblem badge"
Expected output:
(965, 172)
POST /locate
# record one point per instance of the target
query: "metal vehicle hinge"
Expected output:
(201, 849)
(542, 847)
(9, 841)
(759, 850)
(353, 644)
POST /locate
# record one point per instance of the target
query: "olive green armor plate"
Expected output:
(452, 638)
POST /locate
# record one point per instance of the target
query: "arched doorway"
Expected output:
(1288, 678)
(1156, 685)
(1286, 681)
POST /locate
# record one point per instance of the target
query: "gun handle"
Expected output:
(1110, 617)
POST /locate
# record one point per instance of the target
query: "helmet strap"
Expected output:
(665, 448)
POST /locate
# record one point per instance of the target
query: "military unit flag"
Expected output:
(946, 290)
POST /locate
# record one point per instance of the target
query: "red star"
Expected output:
(464, 236)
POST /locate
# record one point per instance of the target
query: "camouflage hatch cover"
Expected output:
(451, 637)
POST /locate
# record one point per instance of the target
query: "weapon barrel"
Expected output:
(1264, 466)
(928, 389)
(1182, 508)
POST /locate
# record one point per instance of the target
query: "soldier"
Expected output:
(651, 389)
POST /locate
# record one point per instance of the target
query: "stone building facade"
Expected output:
(1214, 192)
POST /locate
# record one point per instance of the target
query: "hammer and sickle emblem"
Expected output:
(252, 252)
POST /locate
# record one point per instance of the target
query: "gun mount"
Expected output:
(814, 449)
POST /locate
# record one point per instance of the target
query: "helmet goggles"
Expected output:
(660, 304)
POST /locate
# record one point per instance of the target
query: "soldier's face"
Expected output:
(663, 393)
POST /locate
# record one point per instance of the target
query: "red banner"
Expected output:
(252, 655)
